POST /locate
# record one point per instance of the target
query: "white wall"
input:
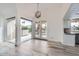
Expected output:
(52, 13)
(1, 28)
(26, 10)
(6, 11)
(55, 21)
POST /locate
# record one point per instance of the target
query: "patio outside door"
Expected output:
(26, 29)
(15, 35)
(10, 30)
(41, 30)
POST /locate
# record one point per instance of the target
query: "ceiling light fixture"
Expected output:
(37, 13)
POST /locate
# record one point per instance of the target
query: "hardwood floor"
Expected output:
(31, 48)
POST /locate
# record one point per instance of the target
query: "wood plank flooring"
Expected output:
(31, 48)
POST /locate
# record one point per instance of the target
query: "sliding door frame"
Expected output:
(31, 25)
(5, 28)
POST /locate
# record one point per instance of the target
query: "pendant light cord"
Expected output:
(37, 6)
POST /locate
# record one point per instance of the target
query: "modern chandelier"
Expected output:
(38, 13)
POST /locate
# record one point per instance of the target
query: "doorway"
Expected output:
(41, 30)
(26, 29)
(10, 30)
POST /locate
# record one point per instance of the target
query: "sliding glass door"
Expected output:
(37, 29)
(10, 30)
(26, 29)
(14, 34)
(43, 29)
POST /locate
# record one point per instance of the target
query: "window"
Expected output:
(75, 26)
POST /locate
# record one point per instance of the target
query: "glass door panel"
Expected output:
(26, 30)
(37, 29)
(43, 29)
(11, 30)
